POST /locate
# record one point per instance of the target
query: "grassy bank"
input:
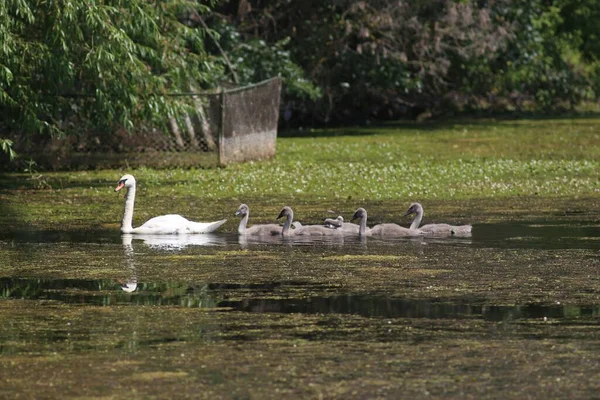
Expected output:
(437, 162)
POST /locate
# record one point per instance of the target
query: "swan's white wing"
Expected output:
(165, 224)
(204, 227)
(176, 224)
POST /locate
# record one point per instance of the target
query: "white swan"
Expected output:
(165, 224)
(383, 229)
(435, 229)
(255, 230)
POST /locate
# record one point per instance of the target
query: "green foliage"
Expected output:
(579, 22)
(70, 66)
(388, 59)
(539, 67)
(6, 146)
(579, 26)
(254, 60)
(67, 65)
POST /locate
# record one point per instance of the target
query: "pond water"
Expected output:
(100, 314)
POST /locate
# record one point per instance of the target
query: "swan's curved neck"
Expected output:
(126, 223)
(417, 221)
(362, 230)
(243, 223)
(286, 226)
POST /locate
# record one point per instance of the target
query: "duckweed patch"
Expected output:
(369, 257)
(305, 356)
(151, 376)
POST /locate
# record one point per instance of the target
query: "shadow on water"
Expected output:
(55, 236)
(107, 293)
(539, 234)
(159, 242)
(383, 307)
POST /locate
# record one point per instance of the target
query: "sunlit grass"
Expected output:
(455, 160)
(535, 157)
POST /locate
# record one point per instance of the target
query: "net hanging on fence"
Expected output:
(249, 122)
(227, 126)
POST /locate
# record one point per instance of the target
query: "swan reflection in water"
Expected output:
(130, 285)
(177, 242)
(161, 242)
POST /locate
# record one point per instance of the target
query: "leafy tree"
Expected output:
(380, 57)
(579, 26)
(69, 65)
(388, 58)
(6, 146)
(536, 67)
(254, 59)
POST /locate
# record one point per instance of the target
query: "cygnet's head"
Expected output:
(415, 208)
(285, 212)
(242, 210)
(126, 181)
(359, 213)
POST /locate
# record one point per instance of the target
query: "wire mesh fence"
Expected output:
(249, 122)
(226, 126)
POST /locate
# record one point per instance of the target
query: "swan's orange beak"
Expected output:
(120, 186)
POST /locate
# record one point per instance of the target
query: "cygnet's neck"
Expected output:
(418, 217)
(243, 223)
(362, 230)
(287, 224)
